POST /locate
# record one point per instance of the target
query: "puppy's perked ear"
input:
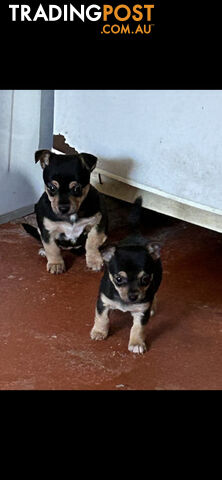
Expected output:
(154, 250)
(108, 253)
(88, 160)
(43, 156)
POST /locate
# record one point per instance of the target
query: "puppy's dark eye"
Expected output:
(52, 188)
(76, 190)
(145, 280)
(119, 280)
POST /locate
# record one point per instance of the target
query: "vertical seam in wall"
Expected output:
(47, 99)
(10, 131)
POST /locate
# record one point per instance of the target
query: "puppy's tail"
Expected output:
(32, 231)
(135, 215)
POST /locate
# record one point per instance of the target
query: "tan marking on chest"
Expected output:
(71, 230)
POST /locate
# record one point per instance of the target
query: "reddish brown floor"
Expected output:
(45, 320)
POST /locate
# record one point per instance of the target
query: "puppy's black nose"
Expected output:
(64, 208)
(133, 296)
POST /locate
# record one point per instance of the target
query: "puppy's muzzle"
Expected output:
(64, 208)
(133, 296)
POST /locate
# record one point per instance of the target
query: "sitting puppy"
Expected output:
(70, 213)
(133, 273)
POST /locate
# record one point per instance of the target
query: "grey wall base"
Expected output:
(20, 212)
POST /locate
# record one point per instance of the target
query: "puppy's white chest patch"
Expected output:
(72, 231)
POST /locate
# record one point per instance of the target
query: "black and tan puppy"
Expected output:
(70, 213)
(132, 276)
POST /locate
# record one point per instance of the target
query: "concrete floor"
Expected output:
(45, 320)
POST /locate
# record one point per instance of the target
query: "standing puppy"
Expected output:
(70, 213)
(133, 273)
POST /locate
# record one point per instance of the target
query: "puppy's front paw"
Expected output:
(95, 262)
(137, 348)
(98, 335)
(56, 268)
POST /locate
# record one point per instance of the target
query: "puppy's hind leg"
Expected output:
(42, 252)
(153, 307)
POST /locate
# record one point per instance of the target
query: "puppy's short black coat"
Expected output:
(71, 213)
(132, 276)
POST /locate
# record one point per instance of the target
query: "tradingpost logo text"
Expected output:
(121, 19)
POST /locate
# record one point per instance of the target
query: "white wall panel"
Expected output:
(163, 141)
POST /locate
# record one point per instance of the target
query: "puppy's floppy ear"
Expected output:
(154, 250)
(43, 156)
(88, 160)
(108, 253)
